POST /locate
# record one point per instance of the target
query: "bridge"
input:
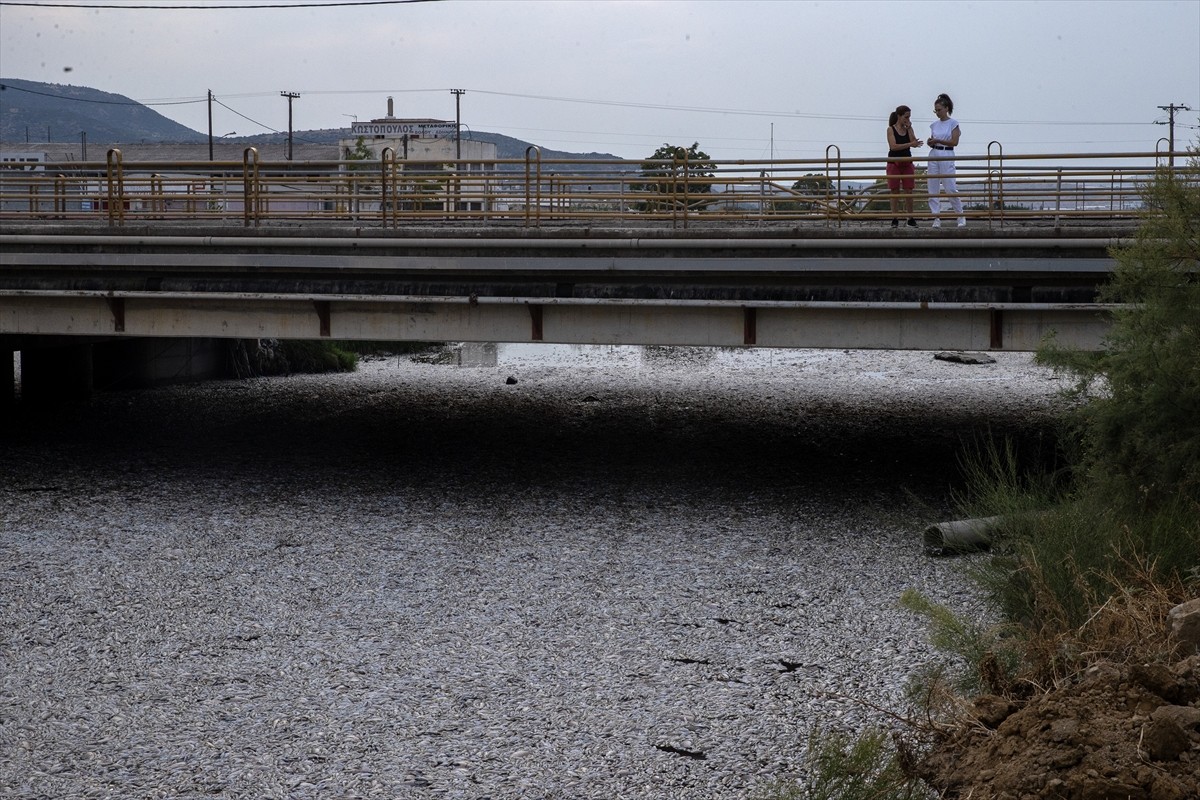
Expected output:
(319, 251)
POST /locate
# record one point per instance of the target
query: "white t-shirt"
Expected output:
(943, 130)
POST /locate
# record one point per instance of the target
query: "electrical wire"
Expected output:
(610, 103)
(10, 87)
(243, 116)
(627, 104)
(777, 114)
(237, 7)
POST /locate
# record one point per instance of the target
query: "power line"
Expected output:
(243, 116)
(212, 98)
(237, 7)
(612, 103)
(777, 114)
(768, 113)
(10, 87)
(694, 109)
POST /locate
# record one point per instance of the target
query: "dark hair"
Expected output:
(898, 113)
(945, 100)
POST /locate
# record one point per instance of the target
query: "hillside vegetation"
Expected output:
(31, 111)
(39, 112)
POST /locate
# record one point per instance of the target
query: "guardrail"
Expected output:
(996, 190)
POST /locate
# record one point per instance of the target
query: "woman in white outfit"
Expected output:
(943, 138)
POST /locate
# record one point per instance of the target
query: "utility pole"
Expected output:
(210, 142)
(290, 97)
(772, 151)
(1171, 109)
(458, 93)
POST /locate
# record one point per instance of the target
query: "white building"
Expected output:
(428, 140)
(426, 149)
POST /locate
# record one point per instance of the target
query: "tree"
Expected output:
(1141, 430)
(362, 162)
(678, 177)
(360, 152)
(812, 185)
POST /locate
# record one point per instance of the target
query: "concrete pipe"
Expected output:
(961, 536)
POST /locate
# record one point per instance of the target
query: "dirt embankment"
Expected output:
(1116, 733)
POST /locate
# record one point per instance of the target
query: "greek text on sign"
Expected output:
(430, 128)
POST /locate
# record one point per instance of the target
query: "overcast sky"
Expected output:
(745, 79)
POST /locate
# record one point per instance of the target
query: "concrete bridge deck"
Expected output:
(973, 288)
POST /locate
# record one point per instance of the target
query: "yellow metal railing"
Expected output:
(996, 189)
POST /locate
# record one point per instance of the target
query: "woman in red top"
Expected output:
(900, 174)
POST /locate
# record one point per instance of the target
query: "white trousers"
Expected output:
(941, 179)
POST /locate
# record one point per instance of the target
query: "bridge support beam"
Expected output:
(859, 325)
(749, 326)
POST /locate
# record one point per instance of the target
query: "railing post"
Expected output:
(535, 197)
(686, 188)
(1159, 153)
(1000, 179)
(1058, 199)
(60, 194)
(387, 174)
(250, 187)
(116, 187)
(158, 198)
(837, 197)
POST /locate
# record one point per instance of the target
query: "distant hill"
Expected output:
(34, 111)
(506, 146)
(40, 112)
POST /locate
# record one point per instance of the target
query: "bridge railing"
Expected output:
(995, 189)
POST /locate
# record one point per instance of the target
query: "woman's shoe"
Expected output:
(895, 223)
(912, 223)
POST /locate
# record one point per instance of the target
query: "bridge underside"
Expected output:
(896, 325)
(790, 288)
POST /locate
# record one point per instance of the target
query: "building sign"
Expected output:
(427, 128)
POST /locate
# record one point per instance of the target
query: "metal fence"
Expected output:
(995, 189)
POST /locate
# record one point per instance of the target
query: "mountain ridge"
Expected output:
(30, 107)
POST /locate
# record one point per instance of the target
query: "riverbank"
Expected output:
(630, 573)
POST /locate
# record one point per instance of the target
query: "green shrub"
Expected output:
(247, 358)
(1141, 428)
(368, 348)
(841, 766)
(991, 659)
(309, 357)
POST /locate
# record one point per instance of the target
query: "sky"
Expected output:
(742, 78)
